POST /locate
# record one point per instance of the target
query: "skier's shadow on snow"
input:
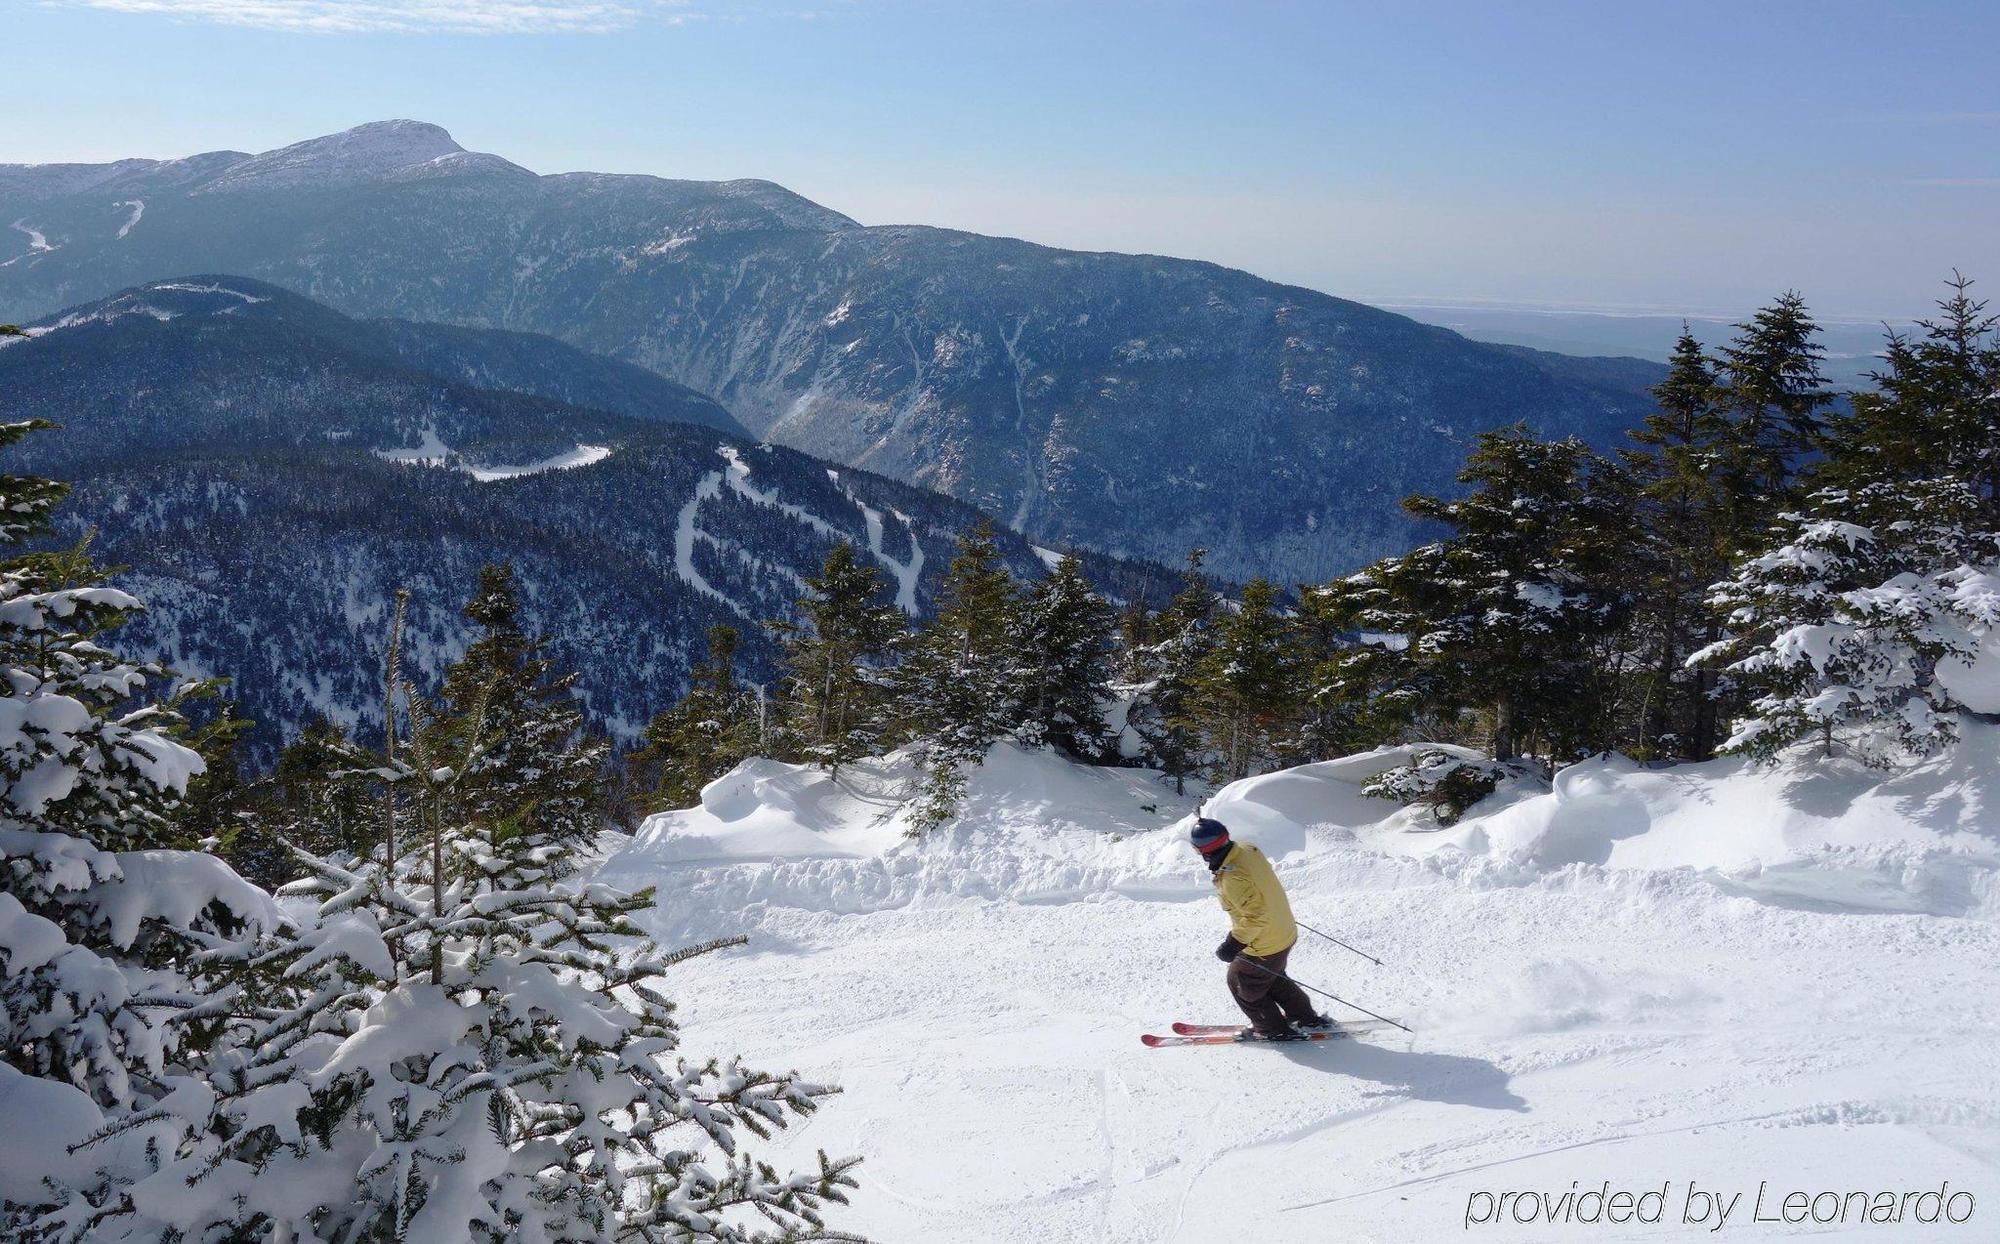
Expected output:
(1452, 1079)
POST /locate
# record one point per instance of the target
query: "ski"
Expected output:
(1234, 1034)
(1340, 1027)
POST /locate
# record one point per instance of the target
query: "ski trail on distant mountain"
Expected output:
(188, 288)
(685, 534)
(38, 243)
(739, 483)
(908, 573)
(138, 207)
(568, 460)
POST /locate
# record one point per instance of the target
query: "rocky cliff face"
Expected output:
(1133, 404)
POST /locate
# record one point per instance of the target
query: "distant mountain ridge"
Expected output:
(234, 321)
(1134, 404)
(271, 471)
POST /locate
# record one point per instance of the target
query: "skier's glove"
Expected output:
(1229, 949)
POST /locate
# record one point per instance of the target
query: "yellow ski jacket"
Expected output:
(1259, 914)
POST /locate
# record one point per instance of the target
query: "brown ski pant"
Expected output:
(1271, 1001)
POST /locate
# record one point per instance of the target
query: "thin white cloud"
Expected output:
(407, 16)
(1948, 181)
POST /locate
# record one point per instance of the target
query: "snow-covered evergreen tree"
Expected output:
(834, 654)
(98, 926)
(1679, 550)
(1333, 701)
(1838, 631)
(1062, 641)
(1164, 709)
(539, 766)
(1770, 387)
(1935, 410)
(954, 687)
(1247, 684)
(452, 1046)
(1518, 612)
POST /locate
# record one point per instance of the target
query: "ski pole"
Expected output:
(1336, 941)
(1324, 994)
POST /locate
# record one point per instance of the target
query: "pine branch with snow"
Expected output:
(1851, 626)
(99, 926)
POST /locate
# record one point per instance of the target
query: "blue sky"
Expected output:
(1688, 157)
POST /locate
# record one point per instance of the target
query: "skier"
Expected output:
(1261, 935)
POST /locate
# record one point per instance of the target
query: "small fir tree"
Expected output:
(1164, 711)
(834, 655)
(953, 689)
(1338, 710)
(1681, 550)
(1935, 410)
(1770, 387)
(1247, 684)
(1062, 641)
(541, 768)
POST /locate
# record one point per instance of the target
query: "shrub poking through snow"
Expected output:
(1438, 780)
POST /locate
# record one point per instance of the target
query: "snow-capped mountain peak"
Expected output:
(378, 149)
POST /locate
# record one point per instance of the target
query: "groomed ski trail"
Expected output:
(977, 995)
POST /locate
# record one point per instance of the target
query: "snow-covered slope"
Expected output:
(1713, 974)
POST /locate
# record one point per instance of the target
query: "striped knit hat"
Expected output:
(1209, 836)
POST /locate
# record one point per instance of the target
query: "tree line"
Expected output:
(1762, 564)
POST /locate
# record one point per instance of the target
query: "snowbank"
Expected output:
(1035, 829)
(1039, 829)
(1806, 830)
